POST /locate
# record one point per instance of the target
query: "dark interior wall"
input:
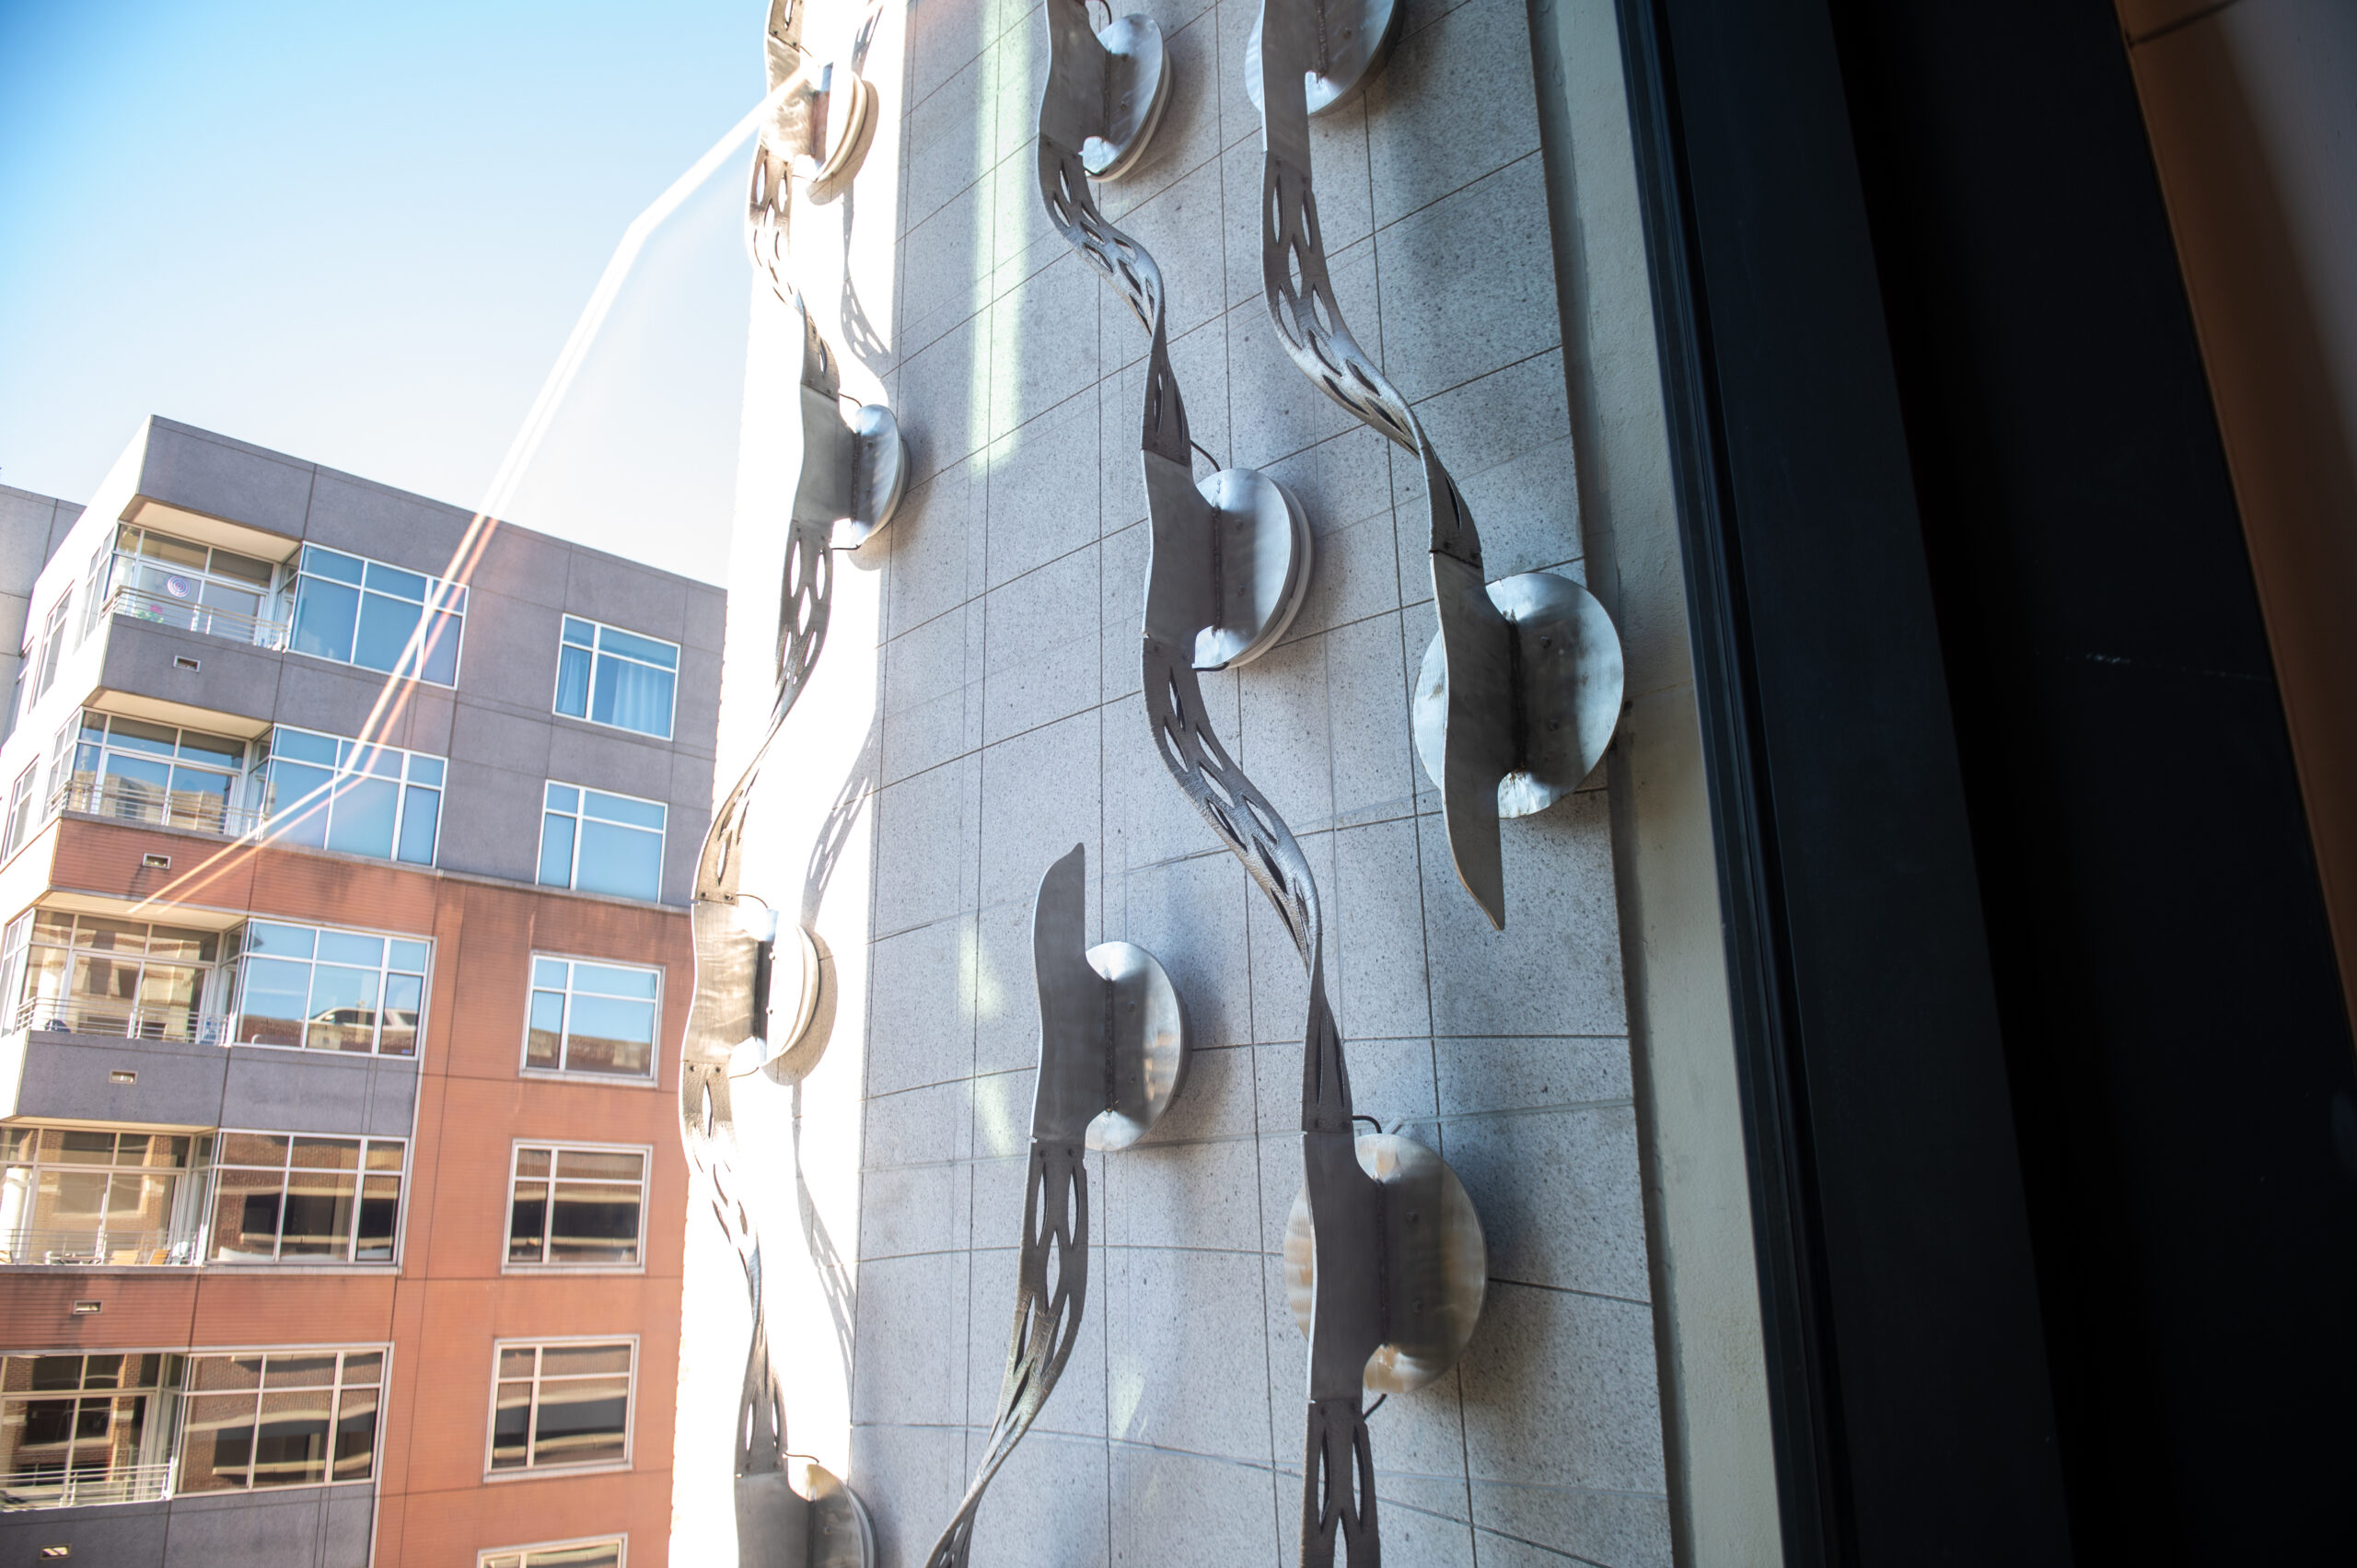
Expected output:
(2174, 1027)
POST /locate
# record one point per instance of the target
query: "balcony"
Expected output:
(108, 1020)
(129, 800)
(141, 604)
(86, 1486)
(99, 1248)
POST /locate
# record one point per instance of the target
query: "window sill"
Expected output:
(610, 1080)
(574, 1270)
(553, 1472)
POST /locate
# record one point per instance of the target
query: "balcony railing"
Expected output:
(99, 1248)
(86, 1485)
(141, 604)
(134, 800)
(84, 1016)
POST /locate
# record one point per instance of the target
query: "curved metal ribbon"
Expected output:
(1476, 641)
(1338, 1483)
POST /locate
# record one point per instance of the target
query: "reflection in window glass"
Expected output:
(155, 772)
(576, 1206)
(293, 1196)
(92, 974)
(329, 990)
(94, 1196)
(359, 612)
(602, 1553)
(93, 1419)
(602, 843)
(608, 676)
(330, 792)
(300, 1418)
(560, 1405)
(591, 1018)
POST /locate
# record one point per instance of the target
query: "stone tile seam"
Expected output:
(1567, 1290)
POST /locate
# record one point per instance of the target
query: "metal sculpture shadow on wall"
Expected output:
(1393, 1263)
(1113, 1057)
(757, 977)
(1521, 688)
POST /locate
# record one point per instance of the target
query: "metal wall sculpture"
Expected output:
(756, 987)
(1113, 1056)
(1520, 690)
(1395, 1264)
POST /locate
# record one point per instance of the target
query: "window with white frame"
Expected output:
(364, 612)
(592, 1017)
(612, 676)
(98, 1424)
(560, 1405)
(95, 974)
(605, 1552)
(330, 792)
(280, 1418)
(293, 1197)
(94, 591)
(97, 1196)
(52, 644)
(155, 772)
(576, 1206)
(177, 581)
(323, 989)
(599, 842)
(20, 811)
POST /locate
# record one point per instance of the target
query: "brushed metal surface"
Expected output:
(1260, 564)
(1436, 1266)
(1113, 1056)
(1353, 37)
(1478, 740)
(1563, 691)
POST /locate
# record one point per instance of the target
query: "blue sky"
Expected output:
(356, 234)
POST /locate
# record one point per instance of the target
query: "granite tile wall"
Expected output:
(1012, 729)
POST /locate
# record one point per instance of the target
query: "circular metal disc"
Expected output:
(850, 128)
(1266, 552)
(794, 999)
(1137, 91)
(1149, 1044)
(1362, 32)
(1571, 692)
(880, 472)
(1439, 1264)
(842, 1535)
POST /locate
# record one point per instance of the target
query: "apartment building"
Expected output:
(343, 963)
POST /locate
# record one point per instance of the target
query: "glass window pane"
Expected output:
(599, 1165)
(320, 1214)
(332, 563)
(386, 627)
(562, 797)
(214, 1374)
(246, 1214)
(633, 696)
(608, 1035)
(528, 1215)
(556, 851)
(351, 947)
(326, 1154)
(185, 947)
(361, 820)
(621, 861)
(542, 1036)
(393, 580)
(573, 667)
(579, 630)
(219, 751)
(510, 1425)
(384, 1154)
(610, 979)
(245, 568)
(291, 1443)
(362, 1366)
(344, 1009)
(253, 1148)
(355, 1434)
(138, 734)
(284, 1371)
(581, 1421)
(216, 1441)
(274, 1001)
(425, 770)
(326, 615)
(297, 805)
(594, 1223)
(304, 746)
(441, 663)
(531, 1162)
(407, 955)
(380, 1208)
(518, 1362)
(421, 814)
(404, 1002)
(632, 646)
(623, 808)
(550, 972)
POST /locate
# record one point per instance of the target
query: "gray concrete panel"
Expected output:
(696, 719)
(316, 693)
(304, 1526)
(199, 471)
(65, 1077)
(519, 564)
(491, 821)
(682, 843)
(622, 594)
(30, 528)
(498, 738)
(510, 654)
(384, 524)
(609, 759)
(129, 1535)
(317, 1091)
(231, 677)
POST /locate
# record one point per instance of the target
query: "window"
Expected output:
(342, 795)
(175, 580)
(98, 1424)
(20, 812)
(365, 612)
(91, 1195)
(280, 1196)
(154, 773)
(329, 990)
(608, 676)
(280, 1418)
(94, 592)
(560, 1405)
(589, 1018)
(582, 1207)
(52, 644)
(606, 1552)
(93, 974)
(602, 843)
